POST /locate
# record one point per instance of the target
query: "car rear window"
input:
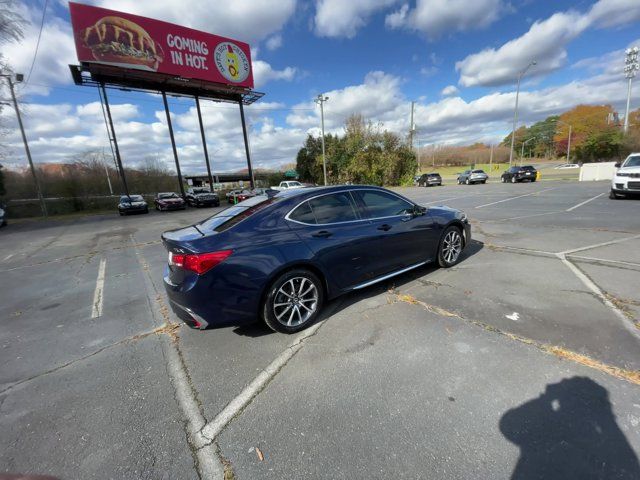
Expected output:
(528, 167)
(478, 171)
(229, 217)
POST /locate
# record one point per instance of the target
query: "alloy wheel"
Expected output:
(295, 301)
(452, 246)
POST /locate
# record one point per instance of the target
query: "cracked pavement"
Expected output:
(429, 375)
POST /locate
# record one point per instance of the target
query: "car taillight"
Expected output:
(198, 262)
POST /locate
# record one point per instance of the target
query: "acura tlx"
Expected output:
(279, 257)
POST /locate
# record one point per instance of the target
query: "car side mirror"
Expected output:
(418, 210)
(617, 165)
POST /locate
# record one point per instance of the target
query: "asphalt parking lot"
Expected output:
(523, 360)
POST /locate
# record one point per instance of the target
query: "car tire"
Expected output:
(483, 182)
(450, 248)
(467, 182)
(278, 308)
(503, 179)
(615, 196)
(121, 213)
(146, 210)
(513, 180)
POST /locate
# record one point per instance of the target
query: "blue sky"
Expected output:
(457, 59)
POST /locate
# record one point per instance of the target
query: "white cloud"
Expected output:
(274, 42)
(263, 73)
(429, 71)
(439, 17)
(342, 18)
(545, 42)
(449, 90)
(245, 20)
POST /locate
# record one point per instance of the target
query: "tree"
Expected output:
(586, 121)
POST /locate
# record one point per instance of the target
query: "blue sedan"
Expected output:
(280, 256)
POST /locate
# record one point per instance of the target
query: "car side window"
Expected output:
(333, 208)
(303, 213)
(382, 204)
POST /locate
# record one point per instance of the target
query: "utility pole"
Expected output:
(320, 99)
(630, 68)
(569, 145)
(515, 111)
(19, 78)
(491, 158)
(412, 127)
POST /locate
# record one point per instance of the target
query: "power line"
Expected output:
(35, 54)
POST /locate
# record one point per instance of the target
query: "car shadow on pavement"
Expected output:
(569, 432)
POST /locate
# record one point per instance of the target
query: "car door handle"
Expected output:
(322, 234)
(386, 227)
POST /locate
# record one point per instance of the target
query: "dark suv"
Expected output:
(202, 197)
(520, 174)
(428, 179)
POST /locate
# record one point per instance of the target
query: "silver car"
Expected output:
(472, 176)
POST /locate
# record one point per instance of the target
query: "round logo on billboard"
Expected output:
(231, 62)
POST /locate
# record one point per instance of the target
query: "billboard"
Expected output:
(129, 41)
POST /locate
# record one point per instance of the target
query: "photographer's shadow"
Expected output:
(569, 432)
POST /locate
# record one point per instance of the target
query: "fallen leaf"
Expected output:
(259, 454)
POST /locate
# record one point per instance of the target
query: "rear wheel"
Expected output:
(293, 301)
(483, 182)
(468, 182)
(513, 180)
(450, 247)
(503, 179)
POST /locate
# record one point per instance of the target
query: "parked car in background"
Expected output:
(132, 204)
(626, 180)
(287, 184)
(169, 201)
(314, 244)
(469, 177)
(429, 179)
(259, 191)
(567, 166)
(520, 174)
(202, 197)
(3, 215)
(236, 196)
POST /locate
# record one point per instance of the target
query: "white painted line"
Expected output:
(7, 257)
(213, 428)
(513, 198)
(98, 297)
(596, 290)
(585, 202)
(597, 245)
(527, 216)
(604, 260)
(452, 198)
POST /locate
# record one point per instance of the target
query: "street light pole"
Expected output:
(523, 144)
(19, 77)
(515, 111)
(320, 101)
(630, 68)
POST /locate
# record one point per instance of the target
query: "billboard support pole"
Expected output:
(115, 141)
(204, 143)
(246, 143)
(173, 141)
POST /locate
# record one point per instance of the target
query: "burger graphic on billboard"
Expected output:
(121, 42)
(231, 62)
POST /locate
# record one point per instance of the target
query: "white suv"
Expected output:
(627, 177)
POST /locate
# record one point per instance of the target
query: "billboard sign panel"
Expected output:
(129, 41)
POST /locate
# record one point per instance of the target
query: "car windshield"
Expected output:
(632, 161)
(201, 190)
(167, 195)
(134, 198)
(528, 167)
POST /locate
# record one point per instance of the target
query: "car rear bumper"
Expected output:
(207, 203)
(214, 301)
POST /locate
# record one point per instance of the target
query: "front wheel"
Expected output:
(468, 182)
(614, 196)
(503, 179)
(450, 247)
(293, 301)
(513, 180)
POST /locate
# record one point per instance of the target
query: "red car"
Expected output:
(237, 196)
(169, 201)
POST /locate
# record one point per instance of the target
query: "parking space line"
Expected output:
(7, 257)
(513, 198)
(597, 245)
(527, 216)
(452, 198)
(585, 202)
(603, 298)
(98, 297)
(604, 260)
